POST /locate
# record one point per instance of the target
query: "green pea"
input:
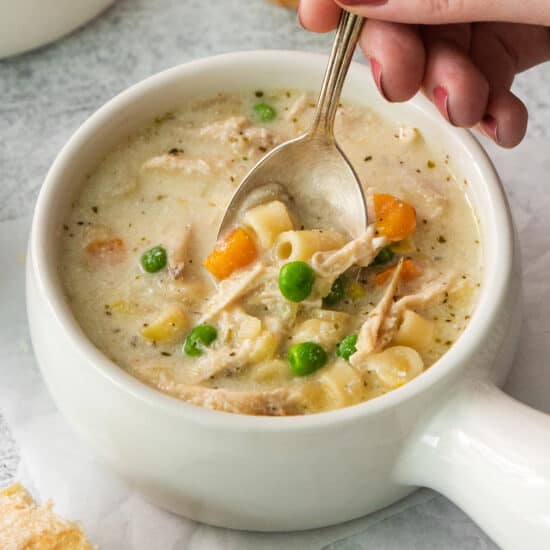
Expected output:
(200, 337)
(306, 357)
(264, 112)
(154, 259)
(384, 256)
(336, 293)
(347, 347)
(296, 281)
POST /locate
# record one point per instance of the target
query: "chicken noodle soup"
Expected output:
(279, 317)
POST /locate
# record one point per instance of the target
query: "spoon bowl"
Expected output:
(314, 177)
(311, 173)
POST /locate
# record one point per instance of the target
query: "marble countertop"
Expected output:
(45, 95)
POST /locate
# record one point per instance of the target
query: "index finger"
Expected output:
(318, 15)
(437, 12)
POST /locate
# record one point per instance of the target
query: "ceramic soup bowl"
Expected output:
(450, 429)
(29, 24)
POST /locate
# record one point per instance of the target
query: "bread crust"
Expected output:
(286, 3)
(25, 525)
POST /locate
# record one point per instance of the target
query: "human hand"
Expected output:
(465, 68)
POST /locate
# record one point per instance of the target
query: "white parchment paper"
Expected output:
(54, 465)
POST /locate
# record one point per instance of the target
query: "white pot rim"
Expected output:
(471, 341)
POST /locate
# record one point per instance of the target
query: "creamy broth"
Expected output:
(407, 297)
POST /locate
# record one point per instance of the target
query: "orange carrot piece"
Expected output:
(408, 272)
(236, 250)
(395, 219)
(110, 251)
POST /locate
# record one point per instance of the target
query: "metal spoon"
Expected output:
(311, 172)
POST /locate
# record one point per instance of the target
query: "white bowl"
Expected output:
(28, 24)
(450, 429)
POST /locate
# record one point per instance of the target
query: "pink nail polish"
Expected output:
(490, 127)
(362, 2)
(376, 69)
(441, 100)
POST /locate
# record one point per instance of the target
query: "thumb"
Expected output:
(436, 12)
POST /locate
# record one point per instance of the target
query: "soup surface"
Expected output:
(277, 318)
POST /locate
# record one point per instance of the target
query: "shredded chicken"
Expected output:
(370, 331)
(429, 199)
(242, 137)
(279, 402)
(231, 289)
(261, 137)
(177, 245)
(177, 163)
(226, 361)
(360, 251)
(298, 107)
(382, 327)
(122, 188)
(429, 296)
(225, 130)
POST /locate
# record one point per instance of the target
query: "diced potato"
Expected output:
(408, 134)
(249, 327)
(314, 395)
(169, 327)
(325, 333)
(264, 346)
(275, 370)
(395, 219)
(341, 318)
(415, 332)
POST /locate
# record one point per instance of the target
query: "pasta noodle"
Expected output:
(341, 384)
(292, 246)
(395, 366)
(268, 221)
(415, 332)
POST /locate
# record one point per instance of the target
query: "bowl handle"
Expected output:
(490, 455)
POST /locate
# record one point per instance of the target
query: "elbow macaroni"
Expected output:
(342, 385)
(415, 332)
(268, 221)
(395, 366)
(292, 246)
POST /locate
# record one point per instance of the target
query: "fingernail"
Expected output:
(376, 69)
(441, 100)
(490, 127)
(362, 2)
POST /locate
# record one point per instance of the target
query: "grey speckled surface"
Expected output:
(45, 95)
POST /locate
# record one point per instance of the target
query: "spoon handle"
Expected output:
(345, 41)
